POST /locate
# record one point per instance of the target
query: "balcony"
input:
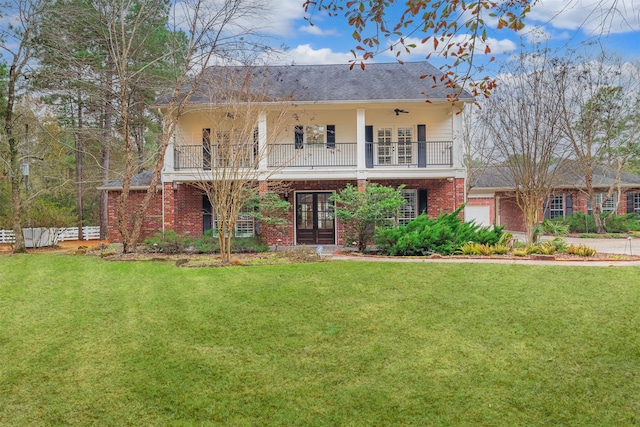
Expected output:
(391, 155)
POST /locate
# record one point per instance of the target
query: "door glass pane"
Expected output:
(405, 137)
(325, 220)
(305, 211)
(384, 146)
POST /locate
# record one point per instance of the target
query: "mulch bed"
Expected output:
(102, 249)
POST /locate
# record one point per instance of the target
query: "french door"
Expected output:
(394, 146)
(315, 224)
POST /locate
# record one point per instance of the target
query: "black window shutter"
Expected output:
(368, 146)
(331, 136)
(422, 201)
(299, 137)
(206, 149)
(422, 146)
(569, 208)
(256, 142)
(545, 209)
(630, 203)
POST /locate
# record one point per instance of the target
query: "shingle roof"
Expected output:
(141, 180)
(336, 82)
(570, 177)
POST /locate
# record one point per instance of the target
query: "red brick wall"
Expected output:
(443, 195)
(188, 210)
(183, 206)
(511, 217)
(152, 221)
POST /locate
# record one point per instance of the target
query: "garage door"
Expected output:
(481, 215)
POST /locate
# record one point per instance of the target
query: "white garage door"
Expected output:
(481, 215)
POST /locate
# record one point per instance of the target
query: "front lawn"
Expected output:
(89, 342)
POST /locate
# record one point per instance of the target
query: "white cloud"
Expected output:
(281, 16)
(594, 17)
(315, 30)
(305, 54)
(423, 49)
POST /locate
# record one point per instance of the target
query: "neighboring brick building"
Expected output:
(491, 199)
(340, 127)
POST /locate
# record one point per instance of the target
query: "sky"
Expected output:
(610, 25)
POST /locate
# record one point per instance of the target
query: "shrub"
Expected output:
(444, 235)
(208, 244)
(472, 248)
(620, 223)
(559, 244)
(168, 242)
(499, 249)
(581, 223)
(546, 248)
(580, 250)
(555, 227)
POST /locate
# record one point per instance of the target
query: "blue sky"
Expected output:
(612, 25)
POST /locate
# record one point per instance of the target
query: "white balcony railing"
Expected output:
(340, 154)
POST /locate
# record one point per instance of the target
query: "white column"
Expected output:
(458, 144)
(169, 158)
(360, 139)
(262, 141)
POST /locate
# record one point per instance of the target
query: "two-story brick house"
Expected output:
(339, 127)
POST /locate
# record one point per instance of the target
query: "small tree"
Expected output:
(523, 117)
(362, 211)
(236, 153)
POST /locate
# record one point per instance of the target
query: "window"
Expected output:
(556, 206)
(408, 210)
(405, 138)
(608, 205)
(244, 227)
(635, 203)
(315, 134)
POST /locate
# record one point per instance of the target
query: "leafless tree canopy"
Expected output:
(523, 119)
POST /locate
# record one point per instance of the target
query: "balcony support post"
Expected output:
(360, 139)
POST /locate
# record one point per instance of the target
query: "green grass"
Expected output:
(89, 342)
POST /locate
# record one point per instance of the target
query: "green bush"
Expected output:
(581, 223)
(208, 244)
(621, 223)
(171, 242)
(168, 242)
(555, 227)
(444, 235)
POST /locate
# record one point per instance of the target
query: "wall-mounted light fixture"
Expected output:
(398, 111)
(286, 196)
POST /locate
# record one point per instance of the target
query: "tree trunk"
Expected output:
(79, 158)
(16, 201)
(105, 157)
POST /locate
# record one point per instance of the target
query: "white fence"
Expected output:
(57, 235)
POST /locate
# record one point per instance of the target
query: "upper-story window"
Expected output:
(395, 145)
(315, 134)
